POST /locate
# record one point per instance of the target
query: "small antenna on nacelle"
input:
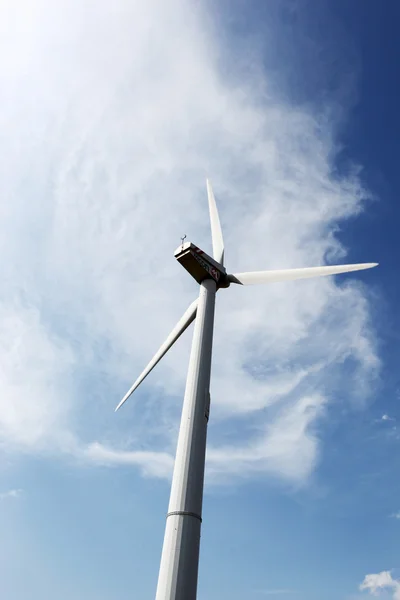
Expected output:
(183, 240)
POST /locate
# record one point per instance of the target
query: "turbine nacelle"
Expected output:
(200, 265)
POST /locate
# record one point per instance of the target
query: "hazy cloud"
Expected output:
(10, 494)
(111, 118)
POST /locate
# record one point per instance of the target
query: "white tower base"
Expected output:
(177, 578)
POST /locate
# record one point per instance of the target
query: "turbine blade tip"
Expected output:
(120, 404)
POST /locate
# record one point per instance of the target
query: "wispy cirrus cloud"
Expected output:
(109, 129)
(156, 464)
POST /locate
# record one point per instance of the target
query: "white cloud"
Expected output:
(112, 116)
(156, 464)
(277, 592)
(10, 494)
(387, 418)
(285, 447)
(383, 581)
(33, 378)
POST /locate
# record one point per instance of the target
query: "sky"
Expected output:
(111, 118)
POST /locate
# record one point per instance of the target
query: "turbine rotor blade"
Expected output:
(180, 327)
(216, 231)
(256, 277)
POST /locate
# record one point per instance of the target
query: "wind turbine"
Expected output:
(180, 554)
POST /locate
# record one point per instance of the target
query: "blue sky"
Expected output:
(111, 118)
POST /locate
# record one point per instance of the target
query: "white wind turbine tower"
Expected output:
(180, 555)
